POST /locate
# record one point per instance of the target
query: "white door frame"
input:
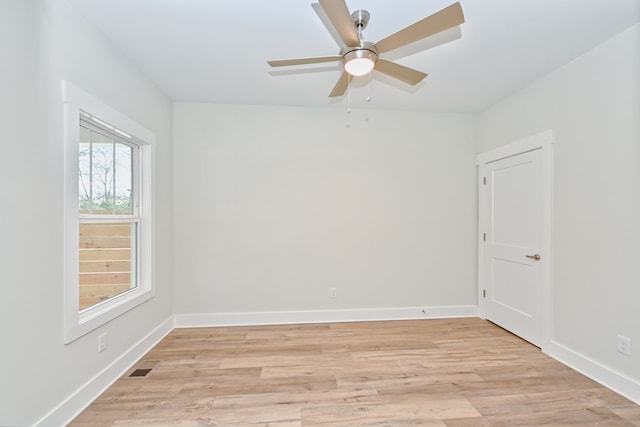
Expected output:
(543, 141)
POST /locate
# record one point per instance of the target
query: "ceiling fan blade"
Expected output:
(340, 17)
(443, 20)
(341, 86)
(400, 72)
(303, 61)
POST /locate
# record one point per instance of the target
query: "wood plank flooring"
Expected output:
(445, 372)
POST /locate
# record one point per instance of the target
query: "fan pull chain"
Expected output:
(349, 80)
(369, 89)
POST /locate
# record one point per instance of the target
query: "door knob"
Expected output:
(536, 257)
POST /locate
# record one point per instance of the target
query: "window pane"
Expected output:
(107, 261)
(105, 179)
(123, 179)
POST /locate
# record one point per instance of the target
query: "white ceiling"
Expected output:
(216, 50)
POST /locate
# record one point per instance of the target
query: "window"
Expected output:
(108, 208)
(108, 213)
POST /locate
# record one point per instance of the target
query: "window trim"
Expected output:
(78, 323)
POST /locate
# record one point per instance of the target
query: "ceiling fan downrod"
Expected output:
(360, 19)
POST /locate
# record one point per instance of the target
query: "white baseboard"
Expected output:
(322, 316)
(608, 377)
(71, 407)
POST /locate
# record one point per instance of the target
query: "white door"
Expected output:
(515, 243)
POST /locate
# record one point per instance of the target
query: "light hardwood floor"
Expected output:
(449, 372)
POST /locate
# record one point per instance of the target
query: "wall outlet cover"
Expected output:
(624, 345)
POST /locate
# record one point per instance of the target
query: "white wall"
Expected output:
(42, 43)
(593, 106)
(275, 205)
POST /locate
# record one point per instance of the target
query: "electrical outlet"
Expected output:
(333, 293)
(624, 345)
(102, 342)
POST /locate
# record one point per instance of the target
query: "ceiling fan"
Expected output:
(359, 57)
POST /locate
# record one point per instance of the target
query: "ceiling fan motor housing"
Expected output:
(366, 51)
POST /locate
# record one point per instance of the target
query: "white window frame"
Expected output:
(78, 323)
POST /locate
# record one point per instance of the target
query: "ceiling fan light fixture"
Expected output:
(360, 60)
(359, 66)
